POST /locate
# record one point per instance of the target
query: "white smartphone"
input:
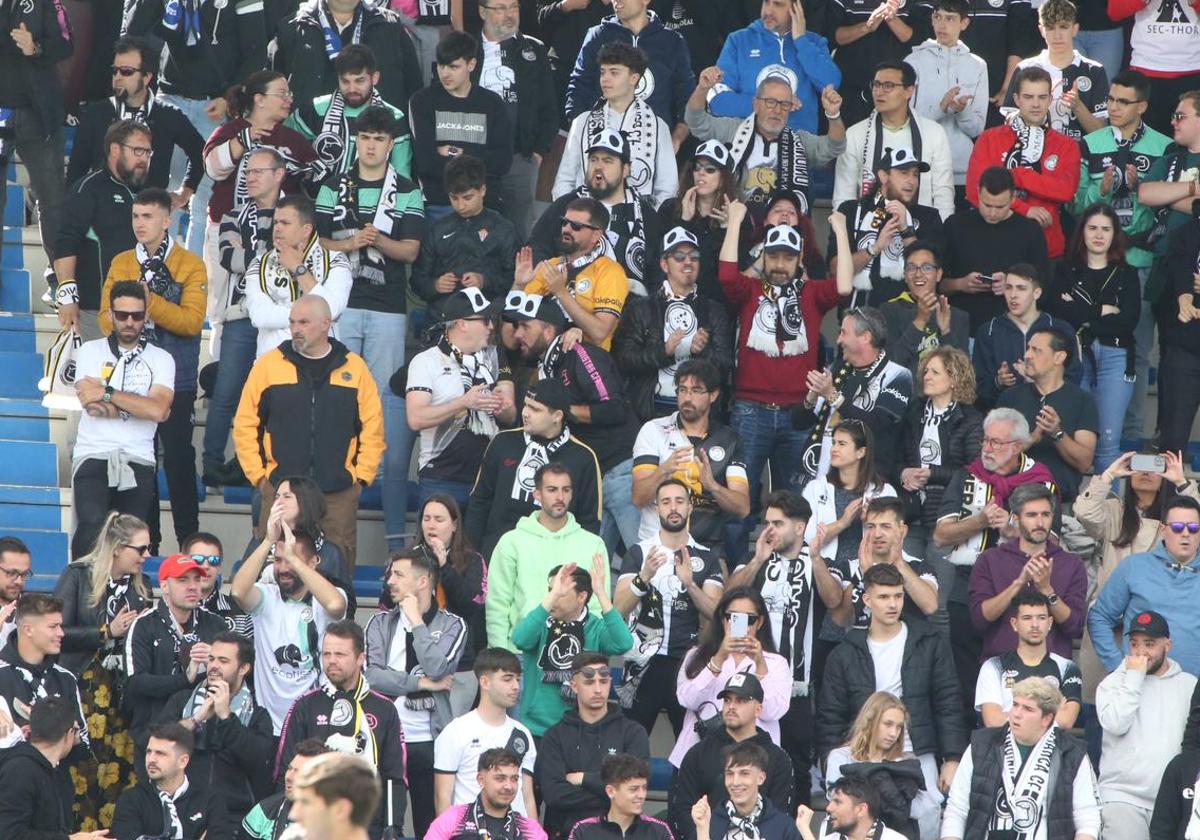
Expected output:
(739, 625)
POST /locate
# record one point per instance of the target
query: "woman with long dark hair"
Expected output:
(302, 505)
(1097, 292)
(719, 655)
(706, 186)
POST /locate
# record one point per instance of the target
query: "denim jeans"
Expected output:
(193, 109)
(767, 435)
(1106, 46)
(1143, 337)
(239, 343)
(1107, 383)
(460, 491)
(621, 516)
(379, 338)
(43, 159)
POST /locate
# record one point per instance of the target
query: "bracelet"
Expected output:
(833, 117)
(712, 667)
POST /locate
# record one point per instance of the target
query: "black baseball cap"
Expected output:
(519, 306)
(743, 684)
(1150, 623)
(551, 393)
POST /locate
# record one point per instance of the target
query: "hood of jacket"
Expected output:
(337, 353)
(930, 47)
(9, 654)
(610, 25)
(532, 529)
(613, 717)
(27, 751)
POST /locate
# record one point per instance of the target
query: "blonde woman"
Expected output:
(878, 737)
(102, 593)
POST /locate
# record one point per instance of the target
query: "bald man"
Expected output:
(310, 383)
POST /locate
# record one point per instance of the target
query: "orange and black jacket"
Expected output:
(320, 418)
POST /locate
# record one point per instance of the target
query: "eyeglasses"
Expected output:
(1179, 116)
(685, 256)
(259, 170)
(772, 104)
(1179, 527)
(286, 94)
(603, 672)
(140, 549)
(750, 617)
(123, 315)
(1118, 100)
(576, 226)
(126, 72)
(13, 574)
(995, 443)
(706, 168)
(139, 152)
(928, 269)
(213, 560)
(886, 87)
(685, 391)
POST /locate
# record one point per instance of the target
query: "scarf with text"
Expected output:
(1030, 145)
(679, 315)
(1026, 787)
(794, 578)
(778, 328)
(368, 265)
(640, 127)
(822, 431)
(548, 365)
(333, 142)
(791, 159)
(625, 240)
(474, 371)
(1122, 194)
(564, 639)
(474, 822)
(744, 828)
(272, 275)
(536, 455)
(333, 38)
(874, 150)
(870, 215)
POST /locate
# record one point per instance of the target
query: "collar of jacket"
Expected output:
(857, 636)
(338, 353)
(10, 655)
(652, 26)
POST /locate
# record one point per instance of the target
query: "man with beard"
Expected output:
(1031, 561)
(290, 616)
(351, 719)
(1142, 706)
(328, 122)
(96, 225)
(504, 487)
(134, 70)
(1044, 163)
(797, 587)
(1031, 621)
(1030, 756)
(598, 413)
(865, 385)
(206, 550)
(778, 338)
(15, 565)
(769, 154)
(492, 813)
(630, 233)
(668, 583)
(235, 741)
(705, 455)
(885, 222)
(271, 817)
(574, 752)
(588, 284)
(851, 814)
(675, 326)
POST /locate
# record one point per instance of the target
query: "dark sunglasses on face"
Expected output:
(125, 72)
(576, 226)
(1179, 527)
(213, 560)
(603, 672)
(123, 315)
(140, 549)
(707, 168)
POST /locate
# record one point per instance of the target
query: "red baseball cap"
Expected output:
(178, 565)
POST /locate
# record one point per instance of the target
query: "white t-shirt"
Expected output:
(286, 664)
(888, 659)
(99, 436)
(458, 747)
(417, 723)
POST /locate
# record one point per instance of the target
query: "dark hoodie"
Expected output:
(572, 746)
(772, 823)
(1176, 793)
(31, 804)
(702, 773)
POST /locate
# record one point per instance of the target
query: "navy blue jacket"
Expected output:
(773, 824)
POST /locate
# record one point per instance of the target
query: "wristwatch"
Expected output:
(108, 394)
(1052, 598)
(300, 271)
(1059, 435)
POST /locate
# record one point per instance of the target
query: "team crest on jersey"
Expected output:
(1052, 163)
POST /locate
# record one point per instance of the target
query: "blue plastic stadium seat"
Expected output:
(28, 463)
(34, 508)
(14, 289)
(660, 774)
(164, 495)
(23, 419)
(14, 210)
(21, 374)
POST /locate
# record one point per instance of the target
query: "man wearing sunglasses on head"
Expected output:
(1165, 579)
(125, 387)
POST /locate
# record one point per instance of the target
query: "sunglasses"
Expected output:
(125, 72)
(706, 168)
(685, 256)
(1180, 527)
(124, 315)
(576, 226)
(603, 672)
(750, 617)
(140, 549)
(213, 560)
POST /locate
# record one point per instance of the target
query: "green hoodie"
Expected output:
(519, 571)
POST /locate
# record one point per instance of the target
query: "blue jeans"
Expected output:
(767, 435)
(460, 491)
(239, 342)
(193, 109)
(379, 338)
(1143, 336)
(1107, 383)
(621, 517)
(1106, 46)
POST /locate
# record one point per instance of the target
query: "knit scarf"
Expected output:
(547, 367)
(292, 167)
(172, 827)
(138, 115)
(625, 239)
(1122, 195)
(874, 833)
(368, 265)
(791, 160)
(794, 576)
(647, 626)
(332, 144)
(870, 215)
(778, 328)
(640, 127)
(931, 418)
(333, 40)
(1031, 143)
(474, 823)
(155, 273)
(183, 15)
(241, 706)
(744, 828)
(564, 639)
(823, 428)
(347, 711)
(873, 150)
(680, 314)
(474, 372)
(1003, 485)
(1026, 788)
(272, 275)
(125, 358)
(536, 455)
(182, 638)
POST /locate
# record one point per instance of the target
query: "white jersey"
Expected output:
(459, 745)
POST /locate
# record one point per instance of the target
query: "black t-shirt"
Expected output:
(675, 616)
(1077, 410)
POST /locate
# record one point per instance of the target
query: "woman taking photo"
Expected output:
(721, 654)
(706, 186)
(102, 593)
(1100, 295)
(876, 741)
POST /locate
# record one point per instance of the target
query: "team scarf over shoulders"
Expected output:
(156, 275)
(329, 29)
(347, 711)
(870, 215)
(292, 167)
(276, 281)
(1122, 193)
(796, 577)
(139, 115)
(474, 371)
(679, 313)
(640, 127)
(744, 828)
(1026, 787)
(625, 240)
(332, 143)
(778, 328)
(367, 264)
(791, 159)
(814, 461)
(537, 454)
(873, 150)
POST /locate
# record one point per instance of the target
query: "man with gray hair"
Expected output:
(1025, 780)
(972, 513)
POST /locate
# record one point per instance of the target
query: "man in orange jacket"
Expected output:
(177, 290)
(1044, 163)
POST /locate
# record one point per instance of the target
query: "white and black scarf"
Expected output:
(474, 371)
(1026, 788)
(139, 115)
(791, 159)
(816, 458)
(794, 576)
(625, 240)
(182, 638)
(744, 828)
(564, 639)
(828, 832)
(547, 367)
(778, 327)
(536, 455)
(172, 827)
(347, 710)
(156, 275)
(474, 823)
(368, 265)
(640, 127)
(874, 150)
(241, 706)
(125, 359)
(870, 215)
(679, 313)
(1030, 145)
(273, 276)
(931, 418)
(292, 167)
(333, 143)
(333, 39)
(1122, 195)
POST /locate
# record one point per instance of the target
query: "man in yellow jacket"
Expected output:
(177, 287)
(311, 408)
